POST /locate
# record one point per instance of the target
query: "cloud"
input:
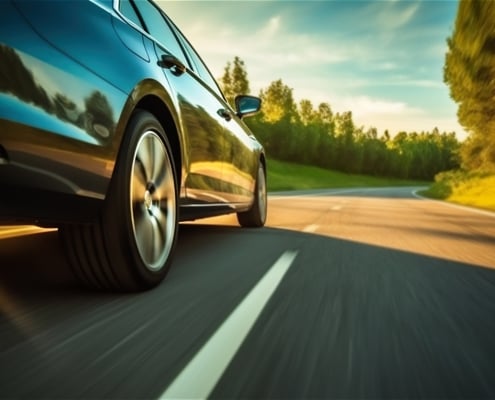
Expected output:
(368, 106)
(272, 26)
(273, 38)
(395, 14)
(271, 47)
(396, 116)
(386, 66)
(425, 83)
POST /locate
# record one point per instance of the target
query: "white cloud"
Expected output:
(271, 49)
(425, 83)
(272, 26)
(386, 66)
(395, 116)
(362, 106)
(395, 15)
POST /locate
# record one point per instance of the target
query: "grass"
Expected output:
(470, 189)
(287, 176)
(465, 188)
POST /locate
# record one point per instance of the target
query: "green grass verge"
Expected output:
(471, 189)
(287, 176)
(465, 188)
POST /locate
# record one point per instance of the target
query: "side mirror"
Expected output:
(247, 105)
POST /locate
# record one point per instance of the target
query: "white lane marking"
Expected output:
(458, 206)
(311, 228)
(199, 377)
(336, 208)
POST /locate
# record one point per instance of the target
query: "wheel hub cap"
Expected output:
(148, 200)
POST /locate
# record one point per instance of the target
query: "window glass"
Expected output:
(159, 29)
(128, 11)
(200, 67)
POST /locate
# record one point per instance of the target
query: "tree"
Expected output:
(240, 80)
(278, 102)
(306, 112)
(280, 117)
(226, 84)
(469, 71)
(345, 130)
(234, 80)
(326, 151)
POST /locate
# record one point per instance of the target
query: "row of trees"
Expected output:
(303, 133)
(469, 71)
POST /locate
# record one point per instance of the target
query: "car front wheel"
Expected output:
(130, 247)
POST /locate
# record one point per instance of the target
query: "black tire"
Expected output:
(255, 217)
(131, 245)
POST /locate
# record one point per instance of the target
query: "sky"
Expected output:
(382, 60)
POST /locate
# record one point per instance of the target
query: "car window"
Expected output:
(129, 12)
(200, 67)
(159, 29)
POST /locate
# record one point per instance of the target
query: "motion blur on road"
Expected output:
(379, 294)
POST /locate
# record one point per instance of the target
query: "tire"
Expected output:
(130, 246)
(255, 217)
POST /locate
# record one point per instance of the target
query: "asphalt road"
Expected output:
(345, 294)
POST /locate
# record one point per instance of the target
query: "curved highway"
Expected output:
(357, 293)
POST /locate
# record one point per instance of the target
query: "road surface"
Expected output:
(362, 293)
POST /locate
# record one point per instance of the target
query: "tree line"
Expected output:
(315, 135)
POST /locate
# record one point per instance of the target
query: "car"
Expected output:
(113, 130)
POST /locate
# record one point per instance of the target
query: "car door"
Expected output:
(199, 107)
(238, 147)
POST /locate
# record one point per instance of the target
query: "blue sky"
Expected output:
(382, 60)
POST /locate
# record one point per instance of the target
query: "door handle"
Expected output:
(225, 114)
(172, 63)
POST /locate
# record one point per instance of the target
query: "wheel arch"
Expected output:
(162, 113)
(149, 95)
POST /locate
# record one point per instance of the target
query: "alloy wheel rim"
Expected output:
(153, 201)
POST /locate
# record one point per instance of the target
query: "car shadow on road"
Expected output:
(35, 262)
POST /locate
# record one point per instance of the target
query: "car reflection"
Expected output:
(25, 96)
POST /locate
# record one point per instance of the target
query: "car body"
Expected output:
(113, 130)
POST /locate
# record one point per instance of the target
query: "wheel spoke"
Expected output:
(152, 143)
(159, 239)
(165, 182)
(138, 182)
(161, 172)
(158, 161)
(145, 156)
(163, 224)
(143, 231)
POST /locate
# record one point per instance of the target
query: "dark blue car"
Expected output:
(113, 130)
